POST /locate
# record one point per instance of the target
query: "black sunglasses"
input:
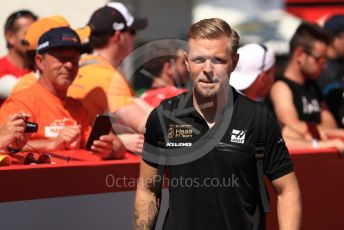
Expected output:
(43, 158)
(316, 57)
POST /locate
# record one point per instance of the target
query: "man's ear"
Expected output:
(116, 37)
(10, 37)
(39, 61)
(167, 68)
(186, 61)
(299, 53)
(235, 59)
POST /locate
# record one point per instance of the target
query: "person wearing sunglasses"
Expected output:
(296, 97)
(62, 121)
(254, 76)
(15, 63)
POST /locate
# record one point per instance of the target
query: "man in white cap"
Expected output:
(254, 74)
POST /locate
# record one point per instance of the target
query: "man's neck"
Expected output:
(16, 58)
(110, 54)
(250, 93)
(48, 86)
(293, 72)
(163, 81)
(211, 108)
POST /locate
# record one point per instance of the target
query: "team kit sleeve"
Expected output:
(151, 137)
(277, 161)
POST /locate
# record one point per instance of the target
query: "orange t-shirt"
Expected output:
(100, 87)
(25, 81)
(48, 111)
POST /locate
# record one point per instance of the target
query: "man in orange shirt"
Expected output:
(99, 85)
(34, 32)
(62, 121)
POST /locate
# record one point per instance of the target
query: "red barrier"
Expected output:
(79, 173)
(319, 174)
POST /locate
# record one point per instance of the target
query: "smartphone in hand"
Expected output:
(101, 126)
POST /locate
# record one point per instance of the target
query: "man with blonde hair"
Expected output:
(206, 139)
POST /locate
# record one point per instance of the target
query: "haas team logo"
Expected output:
(170, 133)
(238, 136)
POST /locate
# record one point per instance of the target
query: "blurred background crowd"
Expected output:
(125, 57)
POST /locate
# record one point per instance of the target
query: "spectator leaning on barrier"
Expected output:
(254, 76)
(99, 86)
(34, 32)
(296, 97)
(14, 64)
(62, 121)
(332, 78)
(198, 141)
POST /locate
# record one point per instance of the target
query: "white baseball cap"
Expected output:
(253, 60)
(114, 17)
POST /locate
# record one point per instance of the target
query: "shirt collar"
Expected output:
(186, 108)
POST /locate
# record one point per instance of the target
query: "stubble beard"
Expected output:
(206, 91)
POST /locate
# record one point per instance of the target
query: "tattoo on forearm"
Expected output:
(145, 215)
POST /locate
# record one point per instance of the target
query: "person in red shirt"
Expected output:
(14, 64)
(166, 69)
(62, 121)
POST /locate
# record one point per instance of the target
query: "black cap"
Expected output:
(114, 17)
(58, 37)
(335, 24)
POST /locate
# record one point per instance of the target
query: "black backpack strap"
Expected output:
(260, 134)
(167, 105)
(159, 182)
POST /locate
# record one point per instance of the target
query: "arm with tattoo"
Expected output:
(147, 205)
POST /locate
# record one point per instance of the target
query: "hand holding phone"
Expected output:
(101, 126)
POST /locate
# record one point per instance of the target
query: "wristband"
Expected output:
(315, 144)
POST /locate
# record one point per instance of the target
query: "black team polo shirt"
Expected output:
(219, 190)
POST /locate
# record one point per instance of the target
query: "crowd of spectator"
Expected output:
(61, 78)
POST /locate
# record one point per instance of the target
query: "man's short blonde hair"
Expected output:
(213, 28)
